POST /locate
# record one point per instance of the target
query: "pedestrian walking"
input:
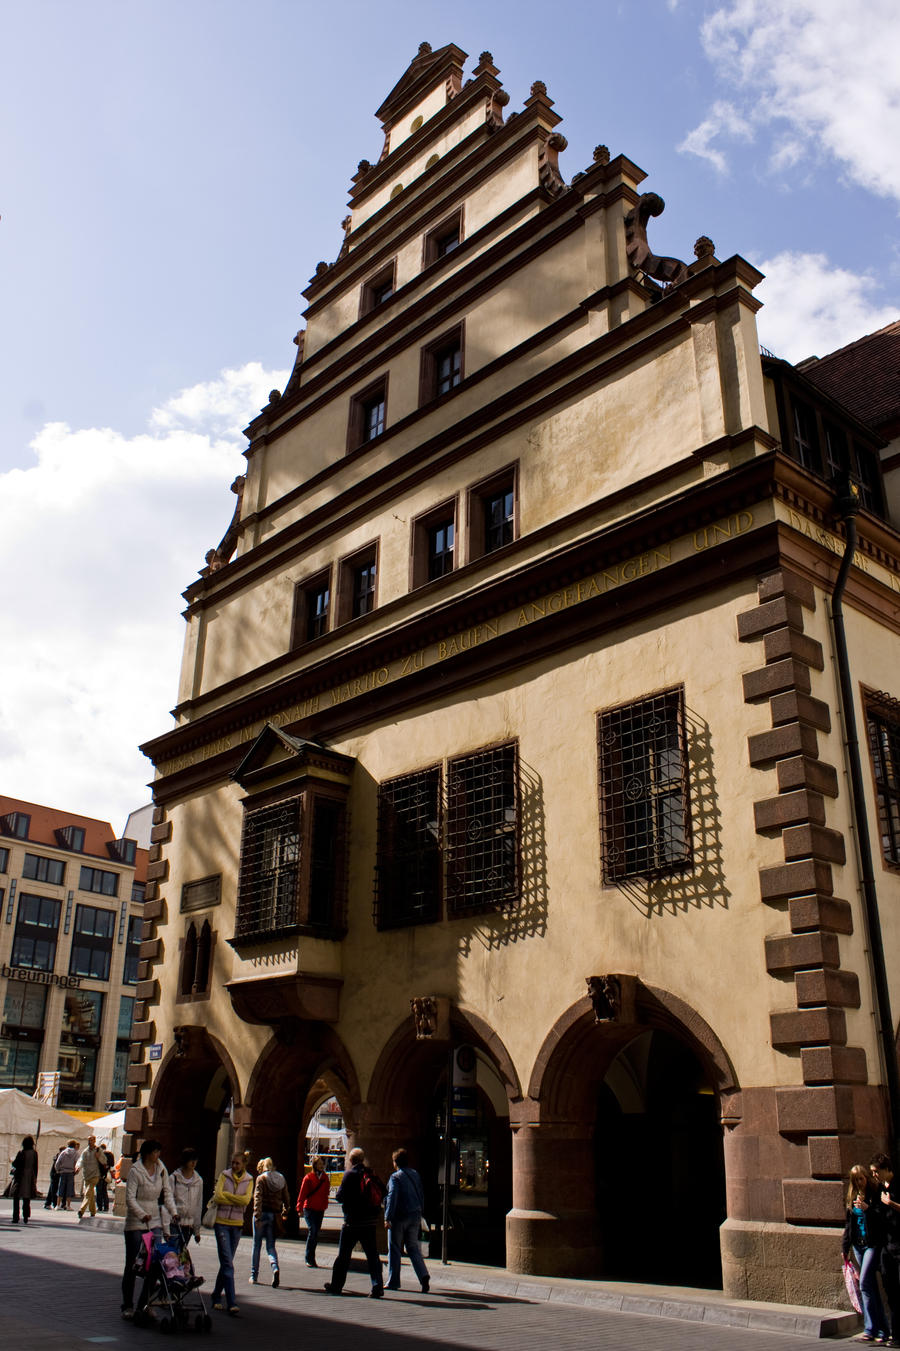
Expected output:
(53, 1189)
(187, 1189)
(66, 1161)
(315, 1192)
(403, 1209)
(89, 1165)
(271, 1199)
(24, 1180)
(147, 1191)
(234, 1191)
(861, 1243)
(360, 1196)
(106, 1162)
(886, 1218)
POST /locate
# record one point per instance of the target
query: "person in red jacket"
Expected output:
(315, 1190)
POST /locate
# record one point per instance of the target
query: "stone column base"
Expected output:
(783, 1263)
(539, 1243)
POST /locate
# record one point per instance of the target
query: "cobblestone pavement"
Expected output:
(59, 1289)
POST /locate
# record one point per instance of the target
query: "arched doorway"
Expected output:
(408, 1106)
(627, 1120)
(193, 1102)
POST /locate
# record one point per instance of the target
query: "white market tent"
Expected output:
(21, 1115)
(110, 1128)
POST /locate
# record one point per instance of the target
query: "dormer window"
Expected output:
(124, 850)
(17, 824)
(71, 837)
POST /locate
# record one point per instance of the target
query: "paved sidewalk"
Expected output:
(59, 1289)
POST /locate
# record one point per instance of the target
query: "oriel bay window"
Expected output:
(644, 791)
(294, 844)
(409, 863)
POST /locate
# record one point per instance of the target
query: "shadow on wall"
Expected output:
(703, 884)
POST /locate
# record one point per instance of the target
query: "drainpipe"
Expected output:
(847, 505)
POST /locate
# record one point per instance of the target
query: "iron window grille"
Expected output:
(292, 874)
(408, 866)
(644, 790)
(883, 730)
(483, 817)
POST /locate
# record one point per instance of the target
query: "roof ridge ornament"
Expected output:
(669, 271)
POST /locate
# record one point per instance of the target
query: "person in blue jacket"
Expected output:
(403, 1208)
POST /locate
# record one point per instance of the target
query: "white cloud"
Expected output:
(812, 308)
(97, 540)
(826, 71)
(722, 117)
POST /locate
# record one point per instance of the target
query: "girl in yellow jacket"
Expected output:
(234, 1191)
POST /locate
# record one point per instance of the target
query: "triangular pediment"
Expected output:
(275, 750)
(426, 70)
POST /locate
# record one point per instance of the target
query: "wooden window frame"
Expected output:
(419, 540)
(368, 301)
(300, 620)
(428, 364)
(356, 421)
(347, 567)
(431, 241)
(476, 497)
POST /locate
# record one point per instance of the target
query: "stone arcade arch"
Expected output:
(405, 1105)
(192, 1091)
(617, 1115)
(301, 1064)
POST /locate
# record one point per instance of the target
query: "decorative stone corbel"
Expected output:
(669, 271)
(431, 1017)
(612, 998)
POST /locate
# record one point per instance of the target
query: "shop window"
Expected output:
(408, 866)
(39, 868)
(83, 1013)
(444, 239)
(378, 290)
(312, 609)
(132, 950)
(19, 1061)
(293, 868)
(37, 926)
(99, 880)
(441, 368)
(492, 514)
(644, 792)
(92, 942)
(483, 830)
(883, 730)
(24, 1004)
(196, 961)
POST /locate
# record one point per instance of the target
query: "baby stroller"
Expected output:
(171, 1286)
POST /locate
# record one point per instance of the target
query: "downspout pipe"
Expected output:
(847, 505)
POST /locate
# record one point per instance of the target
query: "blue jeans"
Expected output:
(874, 1320)
(404, 1233)
(313, 1225)
(228, 1236)
(263, 1228)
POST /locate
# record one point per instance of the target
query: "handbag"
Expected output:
(851, 1281)
(209, 1215)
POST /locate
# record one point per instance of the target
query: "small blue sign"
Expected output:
(154, 1051)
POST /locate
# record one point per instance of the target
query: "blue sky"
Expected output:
(171, 175)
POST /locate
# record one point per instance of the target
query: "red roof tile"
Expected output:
(864, 376)
(45, 821)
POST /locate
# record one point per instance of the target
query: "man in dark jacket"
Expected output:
(885, 1215)
(360, 1196)
(403, 1209)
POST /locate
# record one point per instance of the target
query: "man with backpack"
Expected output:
(360, 1195)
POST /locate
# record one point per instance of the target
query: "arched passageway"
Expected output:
(619, 1164)
(193, 1098)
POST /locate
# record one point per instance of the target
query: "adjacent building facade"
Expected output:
(508, 763)
(72, 897)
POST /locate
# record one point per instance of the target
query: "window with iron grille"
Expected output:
(884, 747)
(292, 869)
(408, 866)
(483, 830)
(644, 794)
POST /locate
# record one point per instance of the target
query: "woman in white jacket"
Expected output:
(187, 1189)
(147, 1194)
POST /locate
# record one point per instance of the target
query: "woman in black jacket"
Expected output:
(24, 1184)
(862, 1244)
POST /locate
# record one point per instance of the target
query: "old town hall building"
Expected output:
(512, 718)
